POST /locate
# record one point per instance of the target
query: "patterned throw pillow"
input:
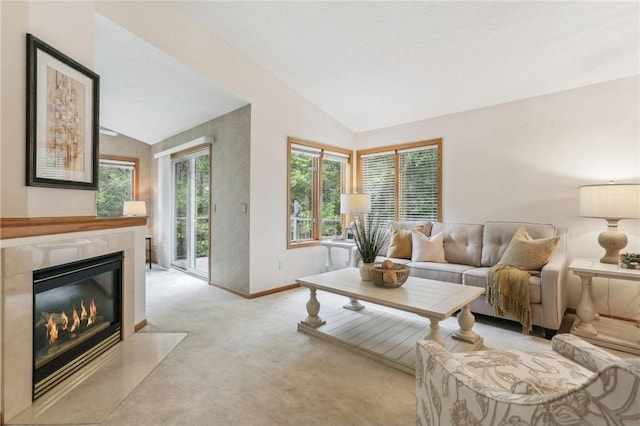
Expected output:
(528, 254)
(400, 243)
(427, 249)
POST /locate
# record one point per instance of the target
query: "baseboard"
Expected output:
(258, 294)
(573, 311)
(139, 326)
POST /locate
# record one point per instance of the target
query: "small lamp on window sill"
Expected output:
(611, 202)
(353, 203)
(134, 208)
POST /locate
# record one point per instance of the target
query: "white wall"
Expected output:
(276, 112)
(518, 161)
(524, 161)
(67, 26)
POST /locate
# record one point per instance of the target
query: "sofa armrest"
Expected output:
(582, 352)
(447, 393)
(553, 291)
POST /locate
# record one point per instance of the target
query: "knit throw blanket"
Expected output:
(508, 291)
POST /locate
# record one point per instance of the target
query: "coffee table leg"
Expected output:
(466, 321)
(313, 307)
(434, 332)
(353, 305)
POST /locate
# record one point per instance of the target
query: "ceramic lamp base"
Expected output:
(612, 241)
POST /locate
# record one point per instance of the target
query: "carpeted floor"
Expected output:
(244, 363)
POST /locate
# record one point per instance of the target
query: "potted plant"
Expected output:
(370, 235)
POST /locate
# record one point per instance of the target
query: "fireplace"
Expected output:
(77, 314)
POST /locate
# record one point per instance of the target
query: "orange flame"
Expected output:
(92, 313)
(52, 330)
(83, 314)
(65, 320)
(76, 320)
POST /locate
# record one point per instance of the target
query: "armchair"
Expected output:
(574, 383)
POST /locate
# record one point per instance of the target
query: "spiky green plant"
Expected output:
(369, 234)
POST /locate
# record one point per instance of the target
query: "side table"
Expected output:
(608, 332)
(343, 244)
(352, 261)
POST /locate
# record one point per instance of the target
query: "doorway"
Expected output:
(191, 200)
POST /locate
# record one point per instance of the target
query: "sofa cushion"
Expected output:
(497, 236)
(449, 272)
(400, 243)
(526, 253)
(462, 242)
(427, 249)
(477, 277)
(405, 225)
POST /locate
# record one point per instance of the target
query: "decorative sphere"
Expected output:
(387, 264)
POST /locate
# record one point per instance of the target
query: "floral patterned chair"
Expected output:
(576, 383)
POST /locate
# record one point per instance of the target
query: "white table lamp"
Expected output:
(355, 203)
(611, 202)
(134, 208)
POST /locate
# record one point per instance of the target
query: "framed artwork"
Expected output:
(350, 235)
(62, 119)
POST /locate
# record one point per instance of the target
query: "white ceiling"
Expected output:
(376, 64)
(147, 94)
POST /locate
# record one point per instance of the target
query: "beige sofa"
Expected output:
(472, 249)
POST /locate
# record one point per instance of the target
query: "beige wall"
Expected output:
(276, 112)
(518, 161)
(524, 161)
(42, 19)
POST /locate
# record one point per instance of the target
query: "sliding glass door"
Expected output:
(191, 199)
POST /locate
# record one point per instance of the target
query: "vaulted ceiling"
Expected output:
(371, 65)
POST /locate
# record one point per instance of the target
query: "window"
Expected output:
(317, 175)
(404, 181)
(117, 183)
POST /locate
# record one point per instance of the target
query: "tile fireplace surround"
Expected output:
(19, 257)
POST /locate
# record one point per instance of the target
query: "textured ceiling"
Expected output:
(371, 65)
(377, 64)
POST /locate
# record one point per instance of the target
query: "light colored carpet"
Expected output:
(244, 363)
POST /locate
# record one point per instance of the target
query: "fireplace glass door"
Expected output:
(77, 316)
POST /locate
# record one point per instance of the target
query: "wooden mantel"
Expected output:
(20, 227)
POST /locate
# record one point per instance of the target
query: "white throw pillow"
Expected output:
(427, 249)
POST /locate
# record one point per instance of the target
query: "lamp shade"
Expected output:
(134, 208)
(612, 201)
(355, 202)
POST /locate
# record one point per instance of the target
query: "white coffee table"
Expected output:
(435, 300)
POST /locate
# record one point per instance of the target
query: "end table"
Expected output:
(343, 244)
(608, 332)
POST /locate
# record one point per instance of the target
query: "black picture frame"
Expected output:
(62, 119)
(350, 235)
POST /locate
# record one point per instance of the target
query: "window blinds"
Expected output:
(418, 184)
(378, 180)
(416, 189)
